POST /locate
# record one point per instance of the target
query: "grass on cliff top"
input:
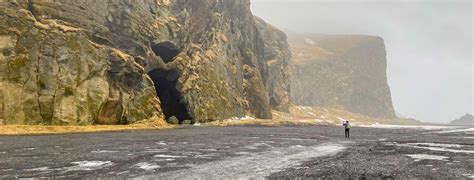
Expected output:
(153, 123)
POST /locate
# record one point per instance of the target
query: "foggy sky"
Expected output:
(429, 45)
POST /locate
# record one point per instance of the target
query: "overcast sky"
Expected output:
(429, 45)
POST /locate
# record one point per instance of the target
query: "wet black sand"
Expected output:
(205, 152)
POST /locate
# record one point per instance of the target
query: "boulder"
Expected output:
(173, 120)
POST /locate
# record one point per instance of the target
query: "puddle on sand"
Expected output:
(161, 143)
(437, 145)
(147, 166)
(88, 165)
(471, 176)
(103, 151)
(38, 169)
(166, 156)
(419, 157)
(166, 159)
(243, 153)
(257, 145)
(433, 147)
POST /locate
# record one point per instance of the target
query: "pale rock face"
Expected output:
(344, 71)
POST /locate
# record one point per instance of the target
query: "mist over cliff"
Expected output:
(119, 62)
(346, 71)
(428, 43)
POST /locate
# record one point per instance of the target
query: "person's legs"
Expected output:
(348, 133)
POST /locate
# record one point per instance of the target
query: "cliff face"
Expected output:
(277, 57)
(111, 62)
(53, 72)
(221, 64)
(342, 71)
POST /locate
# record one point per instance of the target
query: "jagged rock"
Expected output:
(277, 56)
(466, 120)
(346, 71)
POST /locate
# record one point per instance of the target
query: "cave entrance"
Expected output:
(170, 97)
(166, 50)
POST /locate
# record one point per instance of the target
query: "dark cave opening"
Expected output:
(166, 50)
(170, 97)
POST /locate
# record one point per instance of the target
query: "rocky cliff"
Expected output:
(466, 120)
(277, 57)
(344, 71)
(121, 61)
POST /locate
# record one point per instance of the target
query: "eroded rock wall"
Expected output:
(83, 62)
(222, 64)
(52, 73)
(344, 71)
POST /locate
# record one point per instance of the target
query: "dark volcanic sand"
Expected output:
(198, 152)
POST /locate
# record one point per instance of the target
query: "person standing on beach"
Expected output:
(347, 128)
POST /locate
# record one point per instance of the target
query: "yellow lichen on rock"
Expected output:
(164, 2)
(53, 23)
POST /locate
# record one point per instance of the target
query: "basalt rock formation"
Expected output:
(344, 71)
(119, 61)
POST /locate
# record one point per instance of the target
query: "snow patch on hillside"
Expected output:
(309, 41)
